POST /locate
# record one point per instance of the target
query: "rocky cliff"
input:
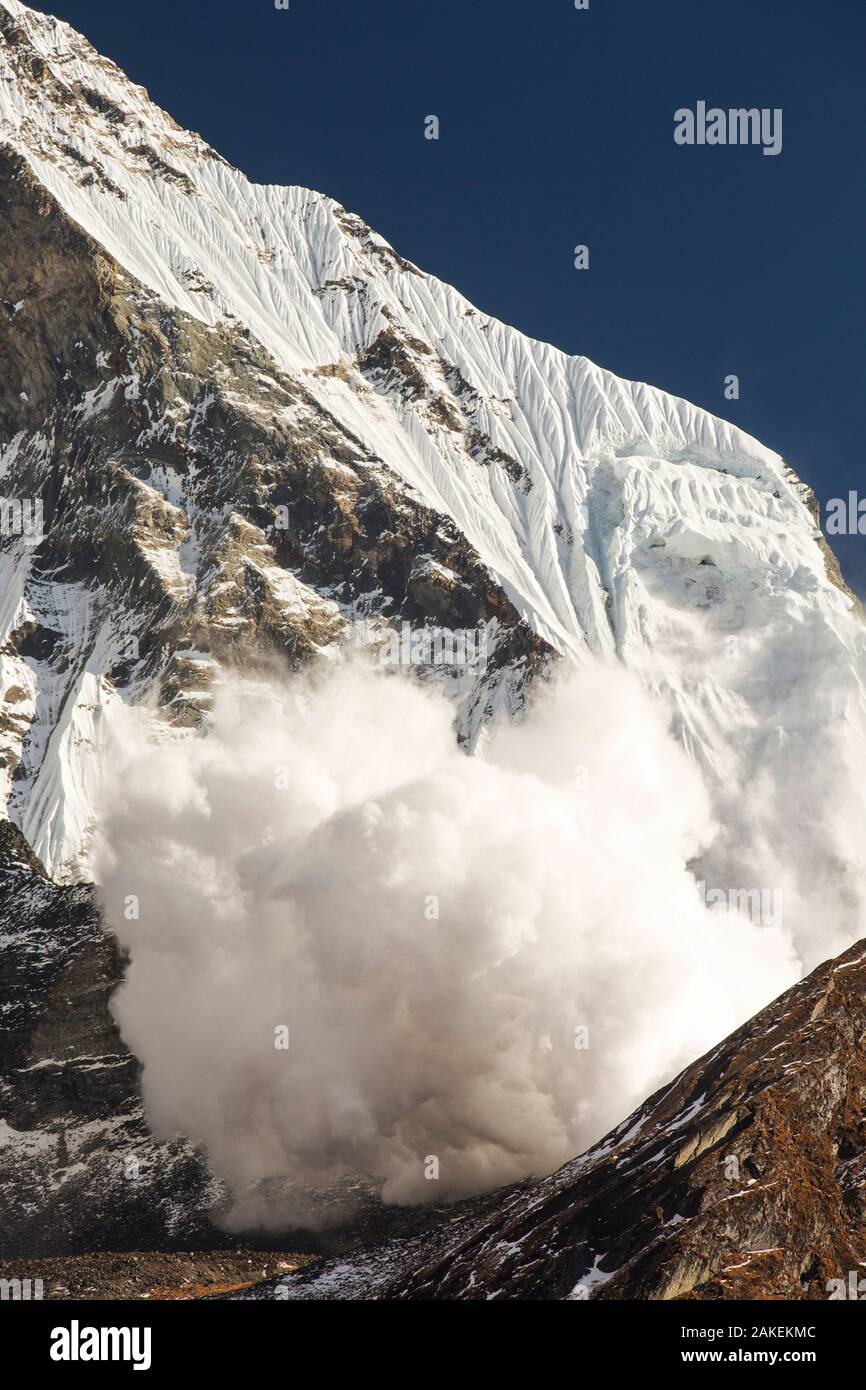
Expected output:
(78, 1168)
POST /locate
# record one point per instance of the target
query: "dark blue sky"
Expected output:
(557, 129)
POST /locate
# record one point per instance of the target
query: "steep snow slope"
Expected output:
(617, 519)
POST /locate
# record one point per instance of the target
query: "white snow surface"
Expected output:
(637, 527)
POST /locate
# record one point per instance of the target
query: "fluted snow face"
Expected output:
(620, 521)
(317, 287)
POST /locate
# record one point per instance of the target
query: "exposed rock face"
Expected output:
(744, 1179)
(78, 1168)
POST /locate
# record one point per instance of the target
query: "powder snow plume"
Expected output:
(483, 961)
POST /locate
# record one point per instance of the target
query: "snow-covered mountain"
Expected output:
(253, 423)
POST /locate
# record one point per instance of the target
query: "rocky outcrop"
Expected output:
(78, 1168)
(743, 1179)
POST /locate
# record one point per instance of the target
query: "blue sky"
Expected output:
(557, 129)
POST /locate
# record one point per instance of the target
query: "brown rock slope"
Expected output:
(742, 1179)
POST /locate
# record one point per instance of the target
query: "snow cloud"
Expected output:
(355, 950)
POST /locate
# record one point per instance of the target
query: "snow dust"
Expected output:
(354, 949)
